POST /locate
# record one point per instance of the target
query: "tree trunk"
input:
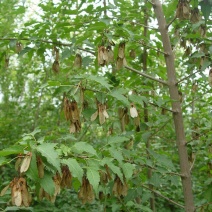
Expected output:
(177, 115)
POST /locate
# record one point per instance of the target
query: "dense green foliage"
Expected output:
(33, 94)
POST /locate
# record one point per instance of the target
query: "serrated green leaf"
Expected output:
(138, 99)
(74, 167)
(161, 159)
(119, 96)
(117, 139)
(16, 149)
(101, 80)
(115, 170)
(128, 169)
(155, 179)
(106, 160)
(93, 177)
(47, 184)
(24, 51)
(116, 154)
(47, 150)
(81, 147)
(32, 172)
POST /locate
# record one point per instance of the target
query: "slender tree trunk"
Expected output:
(177, 115)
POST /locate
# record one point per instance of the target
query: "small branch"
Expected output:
(172, 111)
(143, 43)
(146, 75)
(206, 204)
(192, 164)
(166, 198)
(168, 25)
(181, 80)
(58, 43)
(151, 3)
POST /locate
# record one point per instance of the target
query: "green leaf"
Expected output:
(54, 83)
(117, 94)
(32, 172)
(47, 150)
(117, 139)
(128, 169)
(24, 51)
(74, 167)
(206, 9)
(138, 99)
(47, 184)
(116, 154)
(3, 160)
(16, 149)
(155, 180)
(101, 80)
(93, 177)
(115, 170)
(81, 147)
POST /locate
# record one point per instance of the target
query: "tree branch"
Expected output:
(146, 75)
(57, 43)
(166, 198)
(184, 78)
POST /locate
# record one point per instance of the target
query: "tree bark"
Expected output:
(177, 116)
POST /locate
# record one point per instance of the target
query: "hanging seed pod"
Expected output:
(86, 193)
(56, 67)
(210, 77)
(102, 113)
(4, 190)
(103, 177)
(137, 123)
(183, 10)
(102, 56)
(110, 54)
(18, 47)
(77, 62)
(123, 117)
(18, 163)
(195, 16)
(75, 117)
(133, 111)
(203, 31)
(66, 180)
(119, 188)
(19, 192)
(132, 54)
(67, 109)
(57, 180)
(121, 50)
(119, 63)
(188, 51)
(26, 162)
(40, 166)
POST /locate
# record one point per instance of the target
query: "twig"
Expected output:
(210, 203)
(143, 43)
(168, 25)
(172, 111)
(58, 43)
(192, 163)
(181, 80)
(166, 198)
(146, 75)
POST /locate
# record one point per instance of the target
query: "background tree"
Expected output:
(85, 105)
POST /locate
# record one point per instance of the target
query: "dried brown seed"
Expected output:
(110, 54)
(121, 50)
(94, 116)
(4, 190)
(56, 66)
(102, 56)
(18, 47)
(77, 62)
(40, 166)
(195, 16)
(26, 162)
(133, 111)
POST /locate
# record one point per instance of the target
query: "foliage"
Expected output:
(56, 78)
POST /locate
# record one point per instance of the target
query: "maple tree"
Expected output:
(106, 104)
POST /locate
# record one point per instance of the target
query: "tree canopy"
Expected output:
(106, 105)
